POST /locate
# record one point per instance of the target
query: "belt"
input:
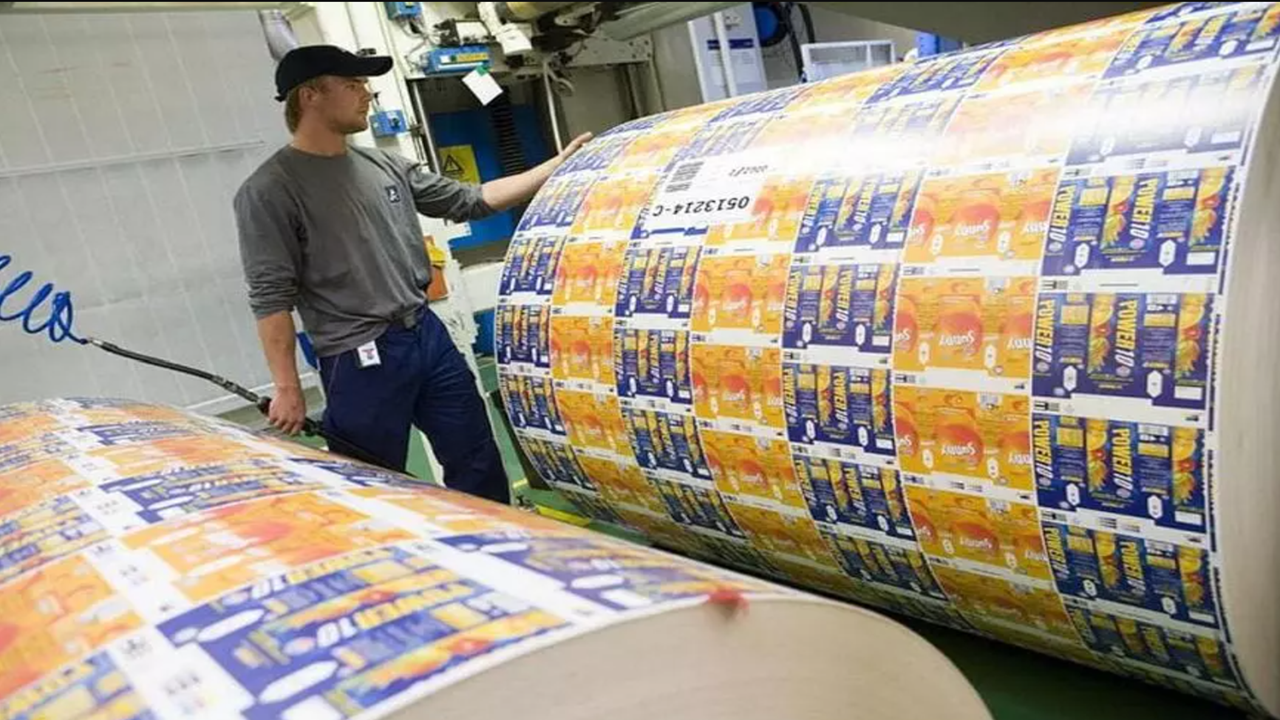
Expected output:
(410, 320)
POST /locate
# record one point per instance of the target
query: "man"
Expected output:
(332, 229)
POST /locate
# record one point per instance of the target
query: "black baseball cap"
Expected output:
(311, 61)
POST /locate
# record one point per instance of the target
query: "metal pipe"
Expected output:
(420, 110)
(633, 91)
(634, 21)
(656, 81)
(551, 105)
(279, 33)
(526, 11)
(726, 55)
(351, 25)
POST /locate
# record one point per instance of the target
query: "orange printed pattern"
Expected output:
(223, 548)
(991, 604)
(459, 645)
(827, 579)
(167, 454)
(27, 428)
(662, 530)
(588, 273)
(621, 483)
(459, 514)
(594, 421)
(1069, 57)
(985, 436)
(1034, 124)
(738, 382)
(999, 215)
(775, 533)
(613, 205)
(745, 465)
(795, 129)
(1111, 24)
(54, 615)
(979, 324)
(1070, 649)
(652, 150)
(741, 292)
(775, 214)
(133, 412)
(582, 349)
(843, 92)
(34, 484)
(995, 533)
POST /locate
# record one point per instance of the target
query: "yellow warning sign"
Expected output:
(458, 162)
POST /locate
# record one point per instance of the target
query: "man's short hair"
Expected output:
(293, 102)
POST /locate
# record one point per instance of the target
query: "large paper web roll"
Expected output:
(950, 338)
(154, 564)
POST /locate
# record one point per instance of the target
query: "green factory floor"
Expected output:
(1015, 684)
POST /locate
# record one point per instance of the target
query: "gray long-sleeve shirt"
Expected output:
(339, 239)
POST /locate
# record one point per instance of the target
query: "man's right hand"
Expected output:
(288, 410)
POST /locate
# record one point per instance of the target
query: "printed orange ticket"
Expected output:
(843, 92)
(613, 205)
(455, 514)
(168, 454)
(28, 428)
(829, 578)
(1069, 57)
(775, 214)
(594, 421)
(1110, 24)
(985, 436)
(990, 603)
(653, 149)
(226, 547)
(978, 324)
(588, 273)
(107, 414)
(56, 614)
(582, 349)
(35, 484)
(991, 532)
(661, 529)
(795, 128)
(738, 382)
(741, 292)
(1036, 124)
(621, 483)
(773, 532)
(745, 465)
(998, 216)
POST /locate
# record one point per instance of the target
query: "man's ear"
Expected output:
(312, 91)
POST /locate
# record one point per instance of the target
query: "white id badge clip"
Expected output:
(367, 354)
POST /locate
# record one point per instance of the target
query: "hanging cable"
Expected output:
(808, 22)
(785, 16)
(337, 443)
(58, 327)
(61, 315)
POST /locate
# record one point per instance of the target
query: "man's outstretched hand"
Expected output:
(575, 145)
(512, 190)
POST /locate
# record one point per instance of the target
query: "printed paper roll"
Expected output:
(155, 564)
(984, 338)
